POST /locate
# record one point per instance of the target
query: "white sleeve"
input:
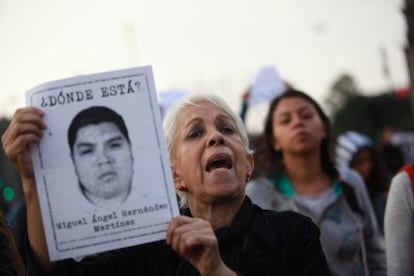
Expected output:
(399, 227)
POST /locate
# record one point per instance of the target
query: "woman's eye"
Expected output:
(284, 121)
(195, 133)
(227, 130)
(306, 115)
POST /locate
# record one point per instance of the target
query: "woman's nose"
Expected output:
(297, 120)
(216, 138)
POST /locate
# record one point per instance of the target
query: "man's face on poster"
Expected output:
(103, 161)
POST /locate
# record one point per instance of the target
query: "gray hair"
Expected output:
(170, 124)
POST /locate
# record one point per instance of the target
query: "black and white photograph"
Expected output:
(100, 148)
(102, 168)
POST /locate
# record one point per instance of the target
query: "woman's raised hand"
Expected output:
(194, 240)
(25, 129)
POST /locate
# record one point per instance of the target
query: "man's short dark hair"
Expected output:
(93, 116)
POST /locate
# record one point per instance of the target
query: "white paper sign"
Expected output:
(266, 85)
(102, 167)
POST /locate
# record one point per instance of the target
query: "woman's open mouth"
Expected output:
(218, 161)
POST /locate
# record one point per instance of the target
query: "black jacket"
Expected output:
(259, 242)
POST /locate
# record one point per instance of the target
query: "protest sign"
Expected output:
(102, 168)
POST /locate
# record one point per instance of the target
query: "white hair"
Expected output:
(171, 118)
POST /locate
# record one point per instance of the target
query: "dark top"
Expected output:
(259, 242)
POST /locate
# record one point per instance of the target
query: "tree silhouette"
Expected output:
(350, 110)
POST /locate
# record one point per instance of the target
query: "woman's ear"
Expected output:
(176, 175)
(250, 164)
(178, 181)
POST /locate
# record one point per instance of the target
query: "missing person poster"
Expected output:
(102, 168)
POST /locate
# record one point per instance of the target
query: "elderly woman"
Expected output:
(220, 231)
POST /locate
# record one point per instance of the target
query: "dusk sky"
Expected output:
(202, 46)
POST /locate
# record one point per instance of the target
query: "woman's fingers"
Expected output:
(188, 234)
(25, 121)
(184, 225)
(26, 128)
(194, 239)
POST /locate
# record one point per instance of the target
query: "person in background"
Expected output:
(244, 104)
(301, 176)
(393, 159)
(220, 231)
(11, 263)
(399, 226)
(356, 151)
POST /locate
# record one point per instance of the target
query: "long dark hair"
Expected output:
(10, 259)
(269, 161)
(377, 182)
